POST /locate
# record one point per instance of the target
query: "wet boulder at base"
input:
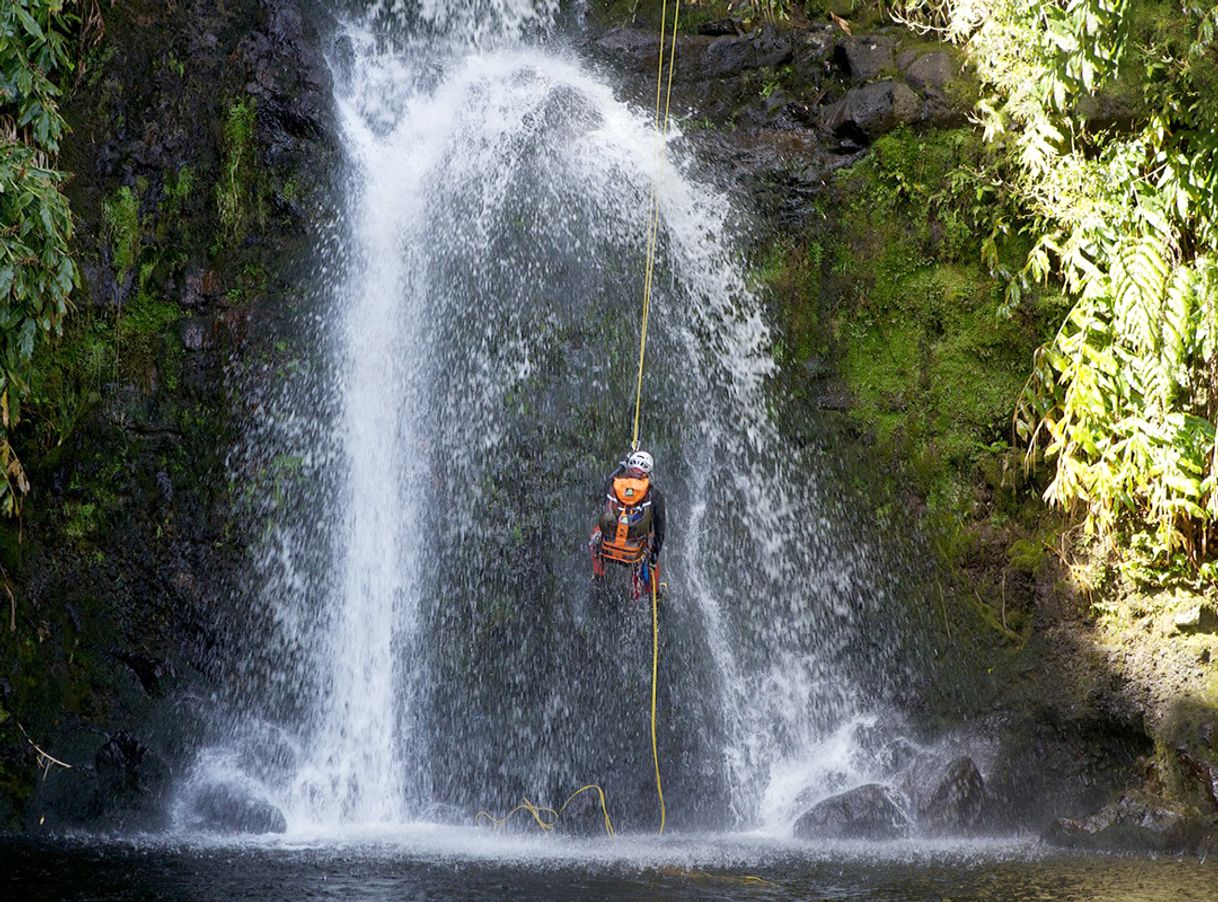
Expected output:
(226, 809)
(865, 812)
(866, 57)
(1138, 821)
(958, 802)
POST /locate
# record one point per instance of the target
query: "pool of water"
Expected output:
(435, 862)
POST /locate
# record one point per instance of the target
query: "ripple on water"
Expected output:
(434, 861)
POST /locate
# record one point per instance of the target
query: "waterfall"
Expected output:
(436, 644)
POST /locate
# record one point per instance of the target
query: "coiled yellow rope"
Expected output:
(537, 811)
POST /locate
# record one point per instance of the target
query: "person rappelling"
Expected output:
(631, 526)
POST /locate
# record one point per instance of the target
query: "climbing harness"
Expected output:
(631, 509)
(624, 533)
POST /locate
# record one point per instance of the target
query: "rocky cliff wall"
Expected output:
(199, 157)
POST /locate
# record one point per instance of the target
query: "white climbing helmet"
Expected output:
(640, 460)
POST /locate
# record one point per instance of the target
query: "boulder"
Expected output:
(1197, 618)
(936, 69)
(865, 812)
(129, 774)
(865, 58)
(871, 111)
(731, 55)
(957, 804)
(221, 808)
(1136, 822)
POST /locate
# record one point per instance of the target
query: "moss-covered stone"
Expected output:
(891, 288)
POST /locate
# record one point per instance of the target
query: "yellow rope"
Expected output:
(655, 671)
(546, 818)
(536, 811)
(653, 212)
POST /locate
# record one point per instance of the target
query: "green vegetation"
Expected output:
(239, 199)
(37, 273)
(1100, 119)
(933, 369)
(121, 215)
(887, 288)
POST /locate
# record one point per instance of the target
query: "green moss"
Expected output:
(147, 348)
(240, 201)
(179, 188)
(893, 291)
(793, 271)
(925, 349)
(80, 519)
(121, 216)
(1027, 554)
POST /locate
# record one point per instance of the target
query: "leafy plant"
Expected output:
(238, 196)
(1123, 211)
(37, 273)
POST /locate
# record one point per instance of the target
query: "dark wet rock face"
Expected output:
(127, 548)
(865, 812)
(128, 779)
(957, 804)
(776, 111)
(1137, 822)
(226, 809)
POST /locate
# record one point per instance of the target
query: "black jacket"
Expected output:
(657, 507)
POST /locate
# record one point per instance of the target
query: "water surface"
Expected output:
(426, 861)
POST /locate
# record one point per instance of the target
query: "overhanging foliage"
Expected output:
(1101, 119)
(37, 273)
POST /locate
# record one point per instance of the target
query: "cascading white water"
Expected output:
(481, 327)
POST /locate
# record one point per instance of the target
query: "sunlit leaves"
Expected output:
(1124, 399)
(34, 48)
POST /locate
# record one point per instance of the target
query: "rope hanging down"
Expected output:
(545, 817)
(653, 221)
(655, 672)
(653, 230)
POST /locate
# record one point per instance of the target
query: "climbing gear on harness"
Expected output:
(646, 576)
(624, 533)
(594, 548)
